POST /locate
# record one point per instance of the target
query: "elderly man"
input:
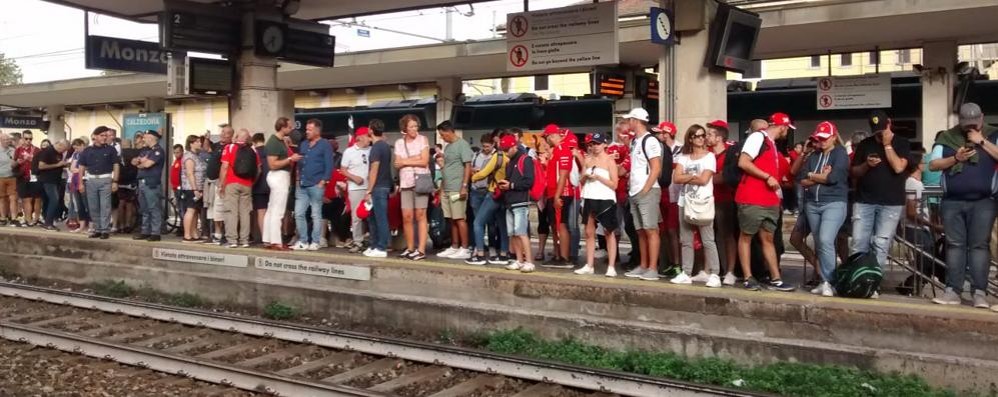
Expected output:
(236, 188)
(50, 165)
(967, 155)
(150, 176)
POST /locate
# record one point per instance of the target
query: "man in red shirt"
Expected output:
(559, 195)
(237, 192)
(725, 212)
(29, 190)
(758, 197)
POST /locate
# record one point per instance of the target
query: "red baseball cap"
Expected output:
(507, 141)
(364, 209)
(666, 127)
(824, 131)
(552, 129)
(361, 131)
(781, 119)
(718, 124)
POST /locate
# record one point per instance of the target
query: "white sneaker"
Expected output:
(826, 289)
(461, 253)
(600, 254)
(994, 308)
(585, 270)
(729, 279)
(611, 272)
(701, 277)
(514, 266)
(299, 246)
(713, 281)
(682, 278)
(446, 253)
(376, 254)
(366, 252)
(527, 267)
(313, 247)
(817, 290)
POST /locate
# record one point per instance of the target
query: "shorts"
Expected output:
(127, 194)
(604, 211)
(454, 209)
(8, 187)
(412, 200)
(671, 216)
(260, 201)
(753, 218)
(28, 190)
(516, 220)
(550, 213)
(188, 198)
(545, 217)
(645, 210)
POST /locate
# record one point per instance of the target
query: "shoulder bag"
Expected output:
(424, 182)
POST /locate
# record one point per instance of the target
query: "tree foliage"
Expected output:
(10, 73)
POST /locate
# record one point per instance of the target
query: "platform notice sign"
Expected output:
(854, 92)
(314, 268)
(581, 35)
(204, 258)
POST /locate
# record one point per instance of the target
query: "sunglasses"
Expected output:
(699, 136)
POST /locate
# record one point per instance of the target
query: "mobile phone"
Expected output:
(969, 145)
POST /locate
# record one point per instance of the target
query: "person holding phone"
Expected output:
(878, 167)
(967, 154)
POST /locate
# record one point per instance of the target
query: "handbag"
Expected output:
(698, 210)
(424, 182)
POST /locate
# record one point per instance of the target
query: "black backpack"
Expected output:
(245, 164)
(859, 277)
(730, 170)
(213, 164)
(664, 177)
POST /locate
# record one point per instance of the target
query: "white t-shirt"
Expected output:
(753, 143)
(355, 161)
(913, 191)
(695, 167)
(673, 187)
(639, 165)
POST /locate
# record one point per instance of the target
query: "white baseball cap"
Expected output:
(638, 114)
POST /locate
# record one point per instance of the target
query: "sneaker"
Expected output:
(729, 279)
(461, 253)
(599, 254)
(50, 228)
(650, 275)
(514, 266)
(980, 301)
(405, 253)
(356, 248)
(557, 263)
(701, 277)
(751, 284)
(366, 251)
(682, 278)
(816, 290)
(417, 256)
(611, 272)
(93, 235)
(141, 237)
(312, 247)
(670, 272)
(498, 260)
(477, 260)
(154, 237)
(779, 285)
(994, 308)
(636, 272)
(299, 246)
(23, 224)
(812, 285)
(446, 253)
(713, 281)
(244, 245)
(876, 295)
(950, 297)
(527, 267)
(376, 253)
(826, 290)
(585, 270)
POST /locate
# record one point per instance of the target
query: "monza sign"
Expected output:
(30, 122)
(854, 92)
(581, 35)
(111, 53)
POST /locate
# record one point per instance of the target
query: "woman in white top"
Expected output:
(599, 179)
(694, 171)
(412, 157)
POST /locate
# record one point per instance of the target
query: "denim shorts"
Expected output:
(516, 220)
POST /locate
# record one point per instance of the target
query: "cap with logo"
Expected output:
(719, 124)
(552, 129)
(879, 120)
(361, 131)
(637, 114)
(781, 119)
(666, 127)
(824, 131)
(507, 141)
(971, 115)
(597, 138)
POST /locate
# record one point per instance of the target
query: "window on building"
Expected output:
(541, 83)
(904, 57)
(846, 59)
(754, 71)
(815, 61)
(874, 57)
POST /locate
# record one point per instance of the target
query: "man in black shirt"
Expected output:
(50, 167)
(878, 167)
(99, 165)
(379, 185)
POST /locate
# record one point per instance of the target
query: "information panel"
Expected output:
(854, 92)
(581, 35)
(314, 268)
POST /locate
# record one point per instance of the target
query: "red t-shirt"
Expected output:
(622, 156)
(175, 173)
(561, 159)
(229, 156)
(722, 193)
(27, 154)
(752, 190)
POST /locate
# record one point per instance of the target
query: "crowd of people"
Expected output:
(700, 209)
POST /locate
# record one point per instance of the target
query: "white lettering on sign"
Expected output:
(111, 49)
(14, 122)
(854, 92)
(582, 35)
(204, 258)
(315, 268)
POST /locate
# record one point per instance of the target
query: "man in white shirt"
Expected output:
(645, 193)
(355, 168)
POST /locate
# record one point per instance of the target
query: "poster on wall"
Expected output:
(135, 122)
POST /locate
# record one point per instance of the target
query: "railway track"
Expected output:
(295, 360)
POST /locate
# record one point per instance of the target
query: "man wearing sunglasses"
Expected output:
(29, 190)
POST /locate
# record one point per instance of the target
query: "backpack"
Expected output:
(244, 165)
(859, 277)
(664, 177)
(540, 182)
(730, 170)
(213, 164)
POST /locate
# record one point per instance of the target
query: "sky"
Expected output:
(46, 40)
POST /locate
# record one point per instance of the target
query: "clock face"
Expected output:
(273, 39)
(663, 27)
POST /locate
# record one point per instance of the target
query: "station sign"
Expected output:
(349, 272)
(190, 26)
(111, 53)
(574, 36)
(133, 123)
(854, 92)
(22, 122)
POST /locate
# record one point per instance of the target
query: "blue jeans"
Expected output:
(377, 221)
(968, 236)
(309, 197)
(51, 202)
(151, 208)
(873, 227)
(825, 220)
(485, 215)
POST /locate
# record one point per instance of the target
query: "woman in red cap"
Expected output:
(824, 179)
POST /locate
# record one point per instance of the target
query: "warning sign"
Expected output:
(582, 35)
(854, 92)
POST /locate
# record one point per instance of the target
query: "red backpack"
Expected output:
(540, 182)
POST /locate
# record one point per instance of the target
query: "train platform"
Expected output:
(949, 346)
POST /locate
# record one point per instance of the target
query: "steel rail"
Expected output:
(473, 360)
(204, 370)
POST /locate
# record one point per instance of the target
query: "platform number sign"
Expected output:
(662, 26)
